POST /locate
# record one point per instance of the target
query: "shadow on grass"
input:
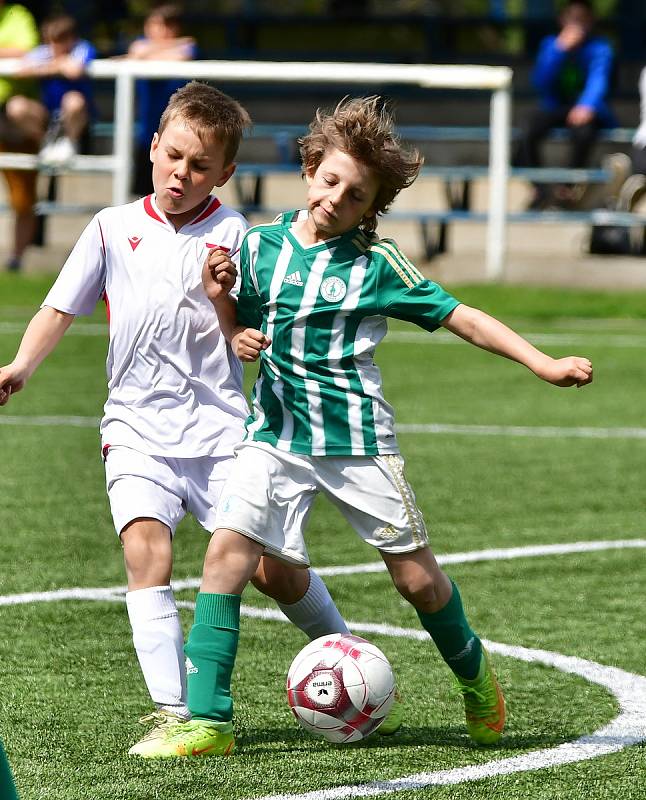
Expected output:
(293, 739)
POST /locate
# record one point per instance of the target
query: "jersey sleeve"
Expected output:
(19, 29)
(249, 309)
(84, 52)
(81, 282)
(404, 293)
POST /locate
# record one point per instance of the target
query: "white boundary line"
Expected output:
(523, 431)
(536, 338)
(629, 689)
(49, 422)
(556, 339)
(628, 728)
(534, 431)
(80, 329)
(116, 593)
(500, 554)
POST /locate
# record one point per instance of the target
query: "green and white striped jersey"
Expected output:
(324, 307)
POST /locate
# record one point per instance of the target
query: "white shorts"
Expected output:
(269, 495)
(164, 489)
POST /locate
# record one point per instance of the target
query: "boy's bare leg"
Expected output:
(437, 601)
(230, 562)
(156, 629)
(301, 595)
(419, 579)
(74, 115)
(29, 116)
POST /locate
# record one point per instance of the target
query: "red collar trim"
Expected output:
(150, 210)
(212, 206)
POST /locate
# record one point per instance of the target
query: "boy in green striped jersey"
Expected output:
(316, 288)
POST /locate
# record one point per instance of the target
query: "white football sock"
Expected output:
(315, 613)
(159, 641)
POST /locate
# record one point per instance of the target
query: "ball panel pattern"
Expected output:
(340, 687)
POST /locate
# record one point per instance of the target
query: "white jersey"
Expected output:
(174, 386)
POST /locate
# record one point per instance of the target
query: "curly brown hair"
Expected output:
(363, 128)
(210, 113)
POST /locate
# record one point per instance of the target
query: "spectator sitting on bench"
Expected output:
(162, 41)
(572, 75)
(18, 35)
(66, 91)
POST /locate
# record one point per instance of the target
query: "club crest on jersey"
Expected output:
(134, 242)
(333, 289)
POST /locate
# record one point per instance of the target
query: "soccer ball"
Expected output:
(340, 687)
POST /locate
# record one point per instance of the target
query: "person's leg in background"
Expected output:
(528, 152)
(22, 131)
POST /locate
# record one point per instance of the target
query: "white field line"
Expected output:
(536, 431)
(500, 554)
(628, 728)
(432, 429)
(536, 338)
(50, 422)
(556, 339)
(84, 329)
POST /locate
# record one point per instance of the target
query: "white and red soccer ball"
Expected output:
(340, 687)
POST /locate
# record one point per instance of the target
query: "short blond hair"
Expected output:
(210, 113)
(364, 129)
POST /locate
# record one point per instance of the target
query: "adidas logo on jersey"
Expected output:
(294, 279)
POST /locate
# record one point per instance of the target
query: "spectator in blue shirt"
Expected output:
(162, 41)
(66, 91)
(572, 75)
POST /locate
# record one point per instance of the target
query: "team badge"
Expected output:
(333, 289)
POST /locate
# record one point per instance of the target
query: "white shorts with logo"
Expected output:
(164, 489)
(269, 494)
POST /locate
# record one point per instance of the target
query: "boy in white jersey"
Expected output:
(175, 406)
(319, 286)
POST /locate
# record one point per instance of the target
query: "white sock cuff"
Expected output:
(154, 602)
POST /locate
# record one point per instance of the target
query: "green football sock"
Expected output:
(7, 786)
(210, 652)
(458, 644)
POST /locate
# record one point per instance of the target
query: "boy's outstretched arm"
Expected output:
(487, 332)
(43, 333)
(218, 277)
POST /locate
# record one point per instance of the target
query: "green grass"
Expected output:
(72, 691)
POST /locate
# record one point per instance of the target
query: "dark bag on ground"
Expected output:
(612, 240)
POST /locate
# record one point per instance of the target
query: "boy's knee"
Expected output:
(281, 582)
(17, 108)
(427, 591)
(419, 590)
(72, 103)
(147, 552)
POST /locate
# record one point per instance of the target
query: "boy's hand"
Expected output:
(248, 343)
(571, 36)
(580, 115)
(570, 371)
(218, 274)
(12, 380)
